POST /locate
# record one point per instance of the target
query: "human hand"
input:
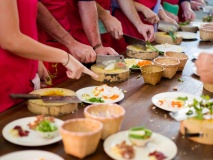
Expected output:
(151, 17)
(82, 52)
(196, 5)
(75, 69)
(105, 51)
(172, 16)
(147, 31)
(170, 20)
(113, 26)
(204, 66)
(44, 75)
(189, 15)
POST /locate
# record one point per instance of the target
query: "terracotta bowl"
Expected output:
(111, 115)
(180, 56)
(152, 74)
(170, 66)
(81, 136)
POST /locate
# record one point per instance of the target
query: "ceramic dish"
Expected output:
(157, 143)
(169, 47)
(33, 138)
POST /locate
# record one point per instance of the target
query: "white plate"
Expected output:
(88, 90)
(168, 97)
(158, 142)
(187, 35)
(194, 70)
(131, 61)
(33, 139)
(31, 155)
(170, 47)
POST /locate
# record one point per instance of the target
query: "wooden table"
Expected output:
(139, 110)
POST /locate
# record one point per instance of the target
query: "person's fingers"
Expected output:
(83, 58)
(89, 72)
(145, 36)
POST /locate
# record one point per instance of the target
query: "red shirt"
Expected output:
(17, 72)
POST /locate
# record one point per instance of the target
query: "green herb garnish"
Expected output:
(184, 23)
(180, 80)
(46, 126)
(135, 66)
(149, 45)
(208, 18)
(96, 99)
(173, 35)
(190, 112)
(182, 98)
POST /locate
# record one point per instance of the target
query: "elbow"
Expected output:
(10, 43)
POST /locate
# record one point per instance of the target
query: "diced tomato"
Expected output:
(176, 103)
(161, 102)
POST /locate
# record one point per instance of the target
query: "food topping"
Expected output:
(39, 119)
(17, 131)
(156, 155)
(124, 150)
(140, 133)
(175, 103)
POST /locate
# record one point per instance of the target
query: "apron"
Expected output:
(59, 9)
(17, 72)
(180, 11)
(128, 27)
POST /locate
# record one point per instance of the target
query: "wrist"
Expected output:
(97, 46)
(66, 61)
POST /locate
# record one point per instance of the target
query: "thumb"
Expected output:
(89, 72)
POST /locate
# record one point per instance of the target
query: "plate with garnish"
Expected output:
(118, 146)
(31, 155)
(173, 101)
(170, 47)
(100, 94)
(136, 64)
(28, 131)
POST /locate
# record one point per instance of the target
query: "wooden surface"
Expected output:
(139, 110)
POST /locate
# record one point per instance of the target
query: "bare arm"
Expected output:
(188, 14)
(48, 23)
(129, 10)
(111, 23)
(13, 40)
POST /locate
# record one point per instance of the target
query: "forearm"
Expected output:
(140, 7)
(49, 24)
(89, 19)
(102, 13)
(129, 10)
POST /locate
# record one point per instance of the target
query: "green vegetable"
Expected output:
(95, 99)
(208, 18)
(184, 23)
(180, 80)
(182, 98)
(172, 34)
(46, 126)
(149, 45)
(135, 66)
(189, 112)
(138, 76)
(200, 105)
(135, 133)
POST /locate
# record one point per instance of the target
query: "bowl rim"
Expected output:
(166, 57)
(152, 65)
(81, 133)
(101, 117)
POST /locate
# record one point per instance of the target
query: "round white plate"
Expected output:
(170, 96)
(194, 70)
(157, 143)
(88, 90)
(33, 139)
(31, 155)
(131, 61)
(170, 47)
(187, 35)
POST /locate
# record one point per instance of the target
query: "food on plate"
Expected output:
(156, 155)
(177, 102)
(202, 122)
(141, 63)
(18, 131)
(208, 18)
(184, 23)
(139, 136)
(124, 150)
(45, 126)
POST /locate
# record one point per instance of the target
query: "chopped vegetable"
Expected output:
(190, 112)
(180, 80)
(96, 99)
(135, 66)
(184, 23)
(153, 48)
(46, 126)
(182, 98)
(138, 76)
(172, 34)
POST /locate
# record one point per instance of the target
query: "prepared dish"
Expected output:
(139, 136)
